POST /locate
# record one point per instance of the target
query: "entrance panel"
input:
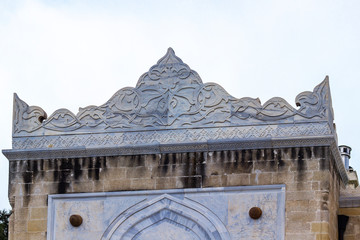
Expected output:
(204, 213)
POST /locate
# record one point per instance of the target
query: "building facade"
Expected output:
(176, 158)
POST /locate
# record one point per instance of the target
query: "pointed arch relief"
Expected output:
(182, 219)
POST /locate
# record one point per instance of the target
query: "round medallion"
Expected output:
(255, 212)
(76, 220)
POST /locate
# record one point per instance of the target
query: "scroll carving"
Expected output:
(172, 96)
(26, 118)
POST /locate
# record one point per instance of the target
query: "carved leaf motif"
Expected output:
(62, 119)
(170, 66)
(315, 103)
(125, 100)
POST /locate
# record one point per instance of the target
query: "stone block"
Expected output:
(261, 178)
(38, 213)
(20, 225)
(299, 186)
(321, 176)
(98, 186)
(237, 167)
(117, 185)
(238, 179)
(215, 181)
(37, 236)
(50, 188)
(300, 195)
(313, 164)
(283, 177)
(131, 161)
(322, 215)
(50, 176)
(36, 201)
(36, 225)
(266, 166)
(112, 162)
(322, 237)
(320, 227)
(78, 187)
(298, 227)
(20, 235)
(350, 237)
(301, 216)
(214, 169)
(165, 183)
(113, 173)
(299, 236)
(349, 211)
(190, 182)
(315, 185)
(21, 213)
(143, 183)
(171, 170)
(304, 176)
(302, 205)
(137, 172)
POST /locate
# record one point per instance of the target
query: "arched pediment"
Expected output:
(173, 230)
(185, 218)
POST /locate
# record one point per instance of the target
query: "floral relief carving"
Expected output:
(172, 96)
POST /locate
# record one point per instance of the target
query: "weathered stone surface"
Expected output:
(209, 213)
(307, 201)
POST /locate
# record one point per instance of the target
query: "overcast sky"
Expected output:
(71, 54)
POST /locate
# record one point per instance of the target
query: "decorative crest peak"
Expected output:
(168, 68)
(169, 58)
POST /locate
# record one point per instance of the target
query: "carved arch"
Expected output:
(184, 214)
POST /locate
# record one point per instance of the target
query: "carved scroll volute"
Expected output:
(316, 103)
(26, 118)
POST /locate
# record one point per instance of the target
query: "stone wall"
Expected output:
(312, 183)
(350, 206)
(353, 226)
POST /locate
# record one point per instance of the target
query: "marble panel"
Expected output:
(206, 213)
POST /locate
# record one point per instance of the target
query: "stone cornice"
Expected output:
(201, 146)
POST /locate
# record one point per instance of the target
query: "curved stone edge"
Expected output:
(35, 154)
(185, 207)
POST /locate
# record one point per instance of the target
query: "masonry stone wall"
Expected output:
(350, 206)
(353, 226)
(312, 184)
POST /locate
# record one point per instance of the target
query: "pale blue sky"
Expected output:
(71, 54)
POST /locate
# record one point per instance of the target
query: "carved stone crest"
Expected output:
(172, 96)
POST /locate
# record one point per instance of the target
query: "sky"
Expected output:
(71, 54)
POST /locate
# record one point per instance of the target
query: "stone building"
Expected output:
(176, 158)
(349, 202)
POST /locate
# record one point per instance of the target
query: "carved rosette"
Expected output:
(172, 96)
